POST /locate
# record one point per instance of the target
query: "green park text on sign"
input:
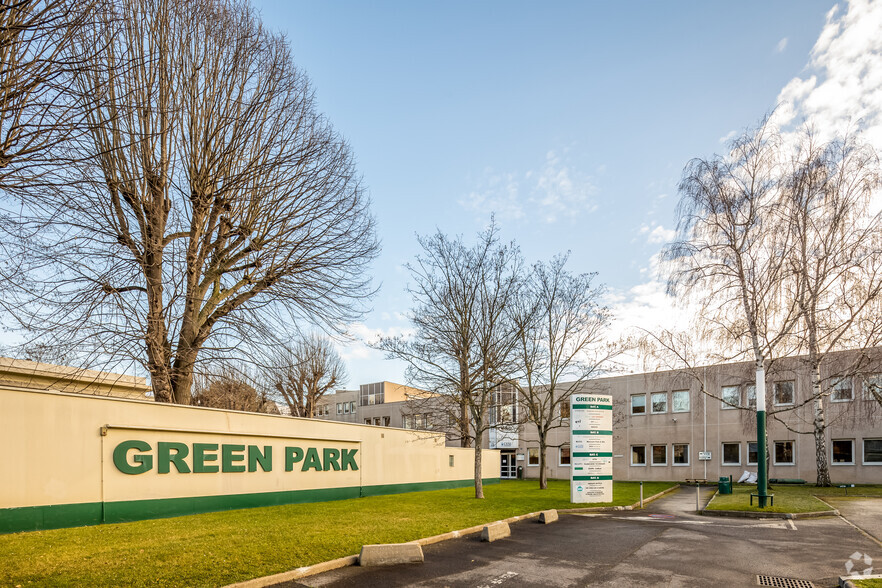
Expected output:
(138, 457)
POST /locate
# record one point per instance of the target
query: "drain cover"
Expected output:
(783, 582)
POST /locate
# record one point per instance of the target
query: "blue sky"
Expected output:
(571, 121)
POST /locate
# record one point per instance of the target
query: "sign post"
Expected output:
(591, 448)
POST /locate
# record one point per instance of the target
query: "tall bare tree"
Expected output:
(463, 344)
(561, 325)
(835, 261)
(303, 373)
(209, 205)
(227, 387)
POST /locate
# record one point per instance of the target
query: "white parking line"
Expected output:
(792, 524)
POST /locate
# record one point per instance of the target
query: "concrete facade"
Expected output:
(44, 376)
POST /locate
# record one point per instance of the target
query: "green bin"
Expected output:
(725, 486)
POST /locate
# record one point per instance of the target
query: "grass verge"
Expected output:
(869, 583)
(214, 549)
(795, 499)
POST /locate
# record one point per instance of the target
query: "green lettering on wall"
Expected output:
(200, 457)
(265, 459)
(331, 459)
(145, 462)
(164, 457)
(312, 460)
(292, 456)
(347, 459)
(231, 454)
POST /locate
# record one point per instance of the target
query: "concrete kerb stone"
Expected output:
(548, 516)
(495, 531)
(846, 581)
(390, 554)
(296, 574)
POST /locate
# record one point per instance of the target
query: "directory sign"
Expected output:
(591, 448)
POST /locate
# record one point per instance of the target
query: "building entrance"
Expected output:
(508, 466)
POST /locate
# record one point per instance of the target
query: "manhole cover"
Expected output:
(783, 582)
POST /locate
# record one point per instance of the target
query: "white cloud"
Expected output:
(781, 46)
(728, 137)
(657, 234)
(842, 88)
(557, 190)
(358, 347)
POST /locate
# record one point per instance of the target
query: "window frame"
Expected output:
(688, 401)
(792, 453)
(560, 452)
(792, 392)
(674, 455)
(345, 408)
(723, 453)
(530, 451)
(864, 451)
(750, 395)
(750, 463)
(643, 412)
(853, 452)
(652, 455)
(638, 465)
(833, 390)
(339, 408)
(874, 379)
(352, 407)
(724, 404)
(652, 403)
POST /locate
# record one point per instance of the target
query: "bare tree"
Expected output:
(561, 325)
(728, 257)
(228, 388)
(462, 348)
(303, 373)
(209, 206)
(835, 261)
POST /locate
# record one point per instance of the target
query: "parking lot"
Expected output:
(666, 544)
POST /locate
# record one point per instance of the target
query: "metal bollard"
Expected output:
(697, 497)
(641, 494)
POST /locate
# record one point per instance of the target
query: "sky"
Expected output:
(570, 121)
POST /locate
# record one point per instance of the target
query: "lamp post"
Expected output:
(762, 475)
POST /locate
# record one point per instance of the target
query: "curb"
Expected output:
(352, 560)
(846, 581)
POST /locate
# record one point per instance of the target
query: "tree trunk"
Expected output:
(479, 482)
(543, 474)
(820, 429)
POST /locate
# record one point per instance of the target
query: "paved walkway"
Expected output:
(866, 513)
(664, 545)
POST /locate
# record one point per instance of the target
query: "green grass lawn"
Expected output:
(214, 549)
(871, 583)
(795, 499)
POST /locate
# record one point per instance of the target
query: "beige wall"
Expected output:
(60, 451)
(44, 376)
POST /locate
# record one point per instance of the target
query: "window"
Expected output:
(681, 454)
(406, 423)
(872, 451)
(451, 460)
(387, 421)
(731, 397)
(659, 402)
(369, 394)
(339, 408)
(565, 410)
(873, 387)
(345, 408)
(367, 421)
(680, 401)
(842, 391)
(638, 404)
(783, 452)
(752, 451)
(532, 456)
(784, 392)
(564, 456)
(377, 421)
(659, 455)
(843, 451)
(751, 396)
(352, 407)
(731, 453)
(638, 455)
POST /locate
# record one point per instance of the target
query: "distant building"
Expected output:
(383, 404)
(44, 376)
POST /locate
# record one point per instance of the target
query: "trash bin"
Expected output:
(725, 485)
(520, 472)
